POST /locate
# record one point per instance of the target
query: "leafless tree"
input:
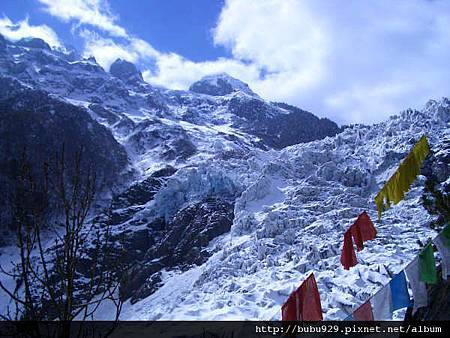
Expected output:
(68, 278)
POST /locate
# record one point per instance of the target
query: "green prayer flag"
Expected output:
(427, 265)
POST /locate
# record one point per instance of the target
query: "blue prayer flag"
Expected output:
(399, 292)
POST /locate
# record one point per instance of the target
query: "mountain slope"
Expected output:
(38, 127)
(227, 209)
(289, 221)
(144, 140)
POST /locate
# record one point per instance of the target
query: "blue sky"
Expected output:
(352, 61)
(183, 27)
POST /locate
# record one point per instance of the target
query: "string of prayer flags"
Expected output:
(427, 265)
(304, 303)
(419, 288)
(442, 243)
(395, 295)
(400, 182)
(381, 306)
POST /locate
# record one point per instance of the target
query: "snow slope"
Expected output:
(290, 222)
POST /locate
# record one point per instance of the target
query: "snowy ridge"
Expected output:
(220, 84)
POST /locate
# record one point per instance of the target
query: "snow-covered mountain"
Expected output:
(230, 201)
(293, 207)
(219, 85)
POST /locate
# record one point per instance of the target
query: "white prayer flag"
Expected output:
(419, 288)
(382, 304)
(440, 242)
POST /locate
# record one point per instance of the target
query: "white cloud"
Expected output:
(88, 12)
(284, 37)
(22, 29)
(176, 72)
(355, 62)
(97, 13)
(106, 50)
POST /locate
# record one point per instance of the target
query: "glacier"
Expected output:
(290, 219)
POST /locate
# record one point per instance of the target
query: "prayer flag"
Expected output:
(364, 312)
(382, 304)
(444, 249)
(427, 265)
(348, 256)
(303, 303)
(399, 291)
(289, 308)
(310, 307)
(418, 287)
(368, 231)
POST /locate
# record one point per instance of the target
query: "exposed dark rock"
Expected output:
(2, 43)
(142, 192)
(125, 71)
(126, 204)
(179, 243)
(33, 43)
(181, 148)
(164, 172)
(141, 281)
(436, 194)
(104, 113)
(156, 101)
(280, 129)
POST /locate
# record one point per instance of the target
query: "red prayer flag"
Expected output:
(364, 312)
(310, 307)
(289, 308)
(366, 227)
(362, 230)
(303, 303)
(348, 256)
(355, 230)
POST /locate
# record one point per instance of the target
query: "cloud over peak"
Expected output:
(22, 29)
(95, 13)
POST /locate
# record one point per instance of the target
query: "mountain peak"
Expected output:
(33, 43)
(220, 84)
(125, 71)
